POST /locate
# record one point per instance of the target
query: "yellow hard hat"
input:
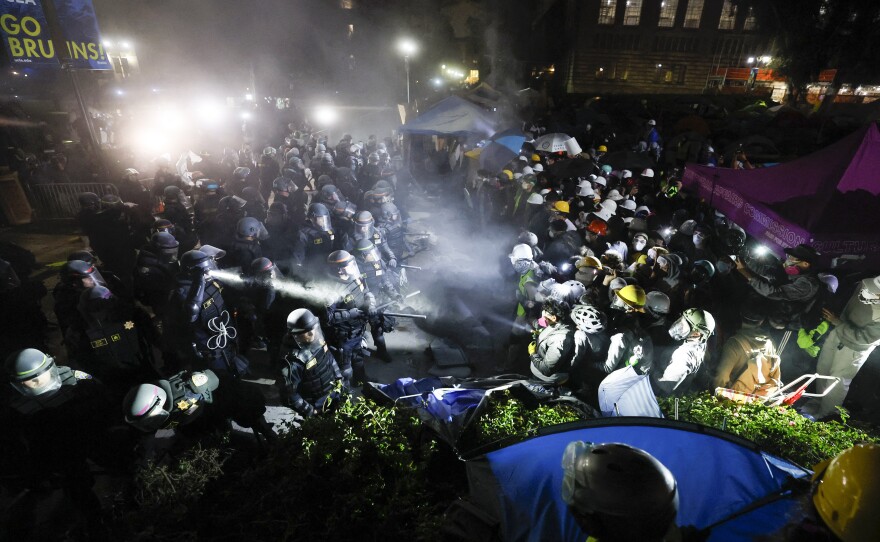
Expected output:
(589, 261)
(561, 206)
(602, 148)
(634, 296)
(507, 173)
(536, 158)
(847, 494)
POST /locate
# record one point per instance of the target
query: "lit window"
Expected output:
(350, 31)
(667, 13)
(728, 16)
(693, 14)
(632, 13)
(346, 4)
(606, 11)
(751, 22)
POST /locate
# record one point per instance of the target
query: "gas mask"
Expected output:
(790, 267)
(680, 329)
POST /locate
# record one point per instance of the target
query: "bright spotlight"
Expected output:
(249, 97)
(761, 250)
(325, 115)
(120, 92)
(245, 115)
(108, 43)
(437, 81)
(766, 59)
(125, 45)
(169, 119)
(750, 59)
(407, 46)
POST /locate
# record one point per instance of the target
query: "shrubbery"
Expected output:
(371, 472)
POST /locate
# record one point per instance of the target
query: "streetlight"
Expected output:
(408, 47)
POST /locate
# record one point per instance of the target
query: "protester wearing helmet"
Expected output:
(855, 335)
(674, 377)
(631, 346)
(309, 371)
(591, 343)
(618, 493)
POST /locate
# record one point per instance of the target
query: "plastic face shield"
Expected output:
(45, 382)
(371, 256)
(869, 298)
(323, 223)
(349, 272)
(309, 340)
(680, 329)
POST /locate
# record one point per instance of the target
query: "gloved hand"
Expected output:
(371, 310)
(533, 346)
(392, 263)
(355, 313)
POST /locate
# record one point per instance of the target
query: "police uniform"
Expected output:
(308, 378)
(312, 246)
(346, 333)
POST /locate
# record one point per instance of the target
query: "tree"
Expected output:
(813, 35)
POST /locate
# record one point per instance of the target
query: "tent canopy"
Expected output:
(453, 116)
(827, 199)
(717, 474)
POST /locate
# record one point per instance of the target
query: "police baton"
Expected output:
(404, 266)
(402, 315)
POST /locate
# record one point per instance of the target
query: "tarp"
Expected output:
(828, 199)
(718, 475)
(453, 116)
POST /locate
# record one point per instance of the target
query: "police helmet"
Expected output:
(251, 227)
(171, 192)
(241, 173)
(366, 251)
(89, 200)
(165, 245)
(301, 320)
(283, 184)
(252, 194)
(144, 407)
(330, 194)
(32, 372)
(111, 201)
(196, 259)
(231, 203)
(82, 255)
(163, 224)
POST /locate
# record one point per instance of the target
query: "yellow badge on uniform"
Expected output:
(318, 241)
(128, 325)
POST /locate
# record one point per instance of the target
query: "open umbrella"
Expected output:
(503, 147)
(552, 142)
(628, 160)
(625, 392)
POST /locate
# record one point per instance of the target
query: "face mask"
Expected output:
(698, 240)
(526, 186)
(522, 266)
(639, 244)
(680, 329)
(792, 270)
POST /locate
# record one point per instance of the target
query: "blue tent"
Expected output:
(453, 116)
(722, 479)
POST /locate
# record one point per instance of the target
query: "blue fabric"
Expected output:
(408, 386)
(495, 156)
(453, 116)
(715, 478)
(446, 404)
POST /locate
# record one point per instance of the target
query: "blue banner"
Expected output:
(26, 34)
(80, 28)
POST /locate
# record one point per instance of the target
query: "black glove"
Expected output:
(355, 313)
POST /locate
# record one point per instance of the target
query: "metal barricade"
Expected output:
(61, 201)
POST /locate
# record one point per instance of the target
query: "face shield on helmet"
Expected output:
(348, 271)
(144, 407)
(33, 373)
(322, 223)
(82, 275)
(869, 294)
(522, 266)
(368, 253)
(680, 329)
(166, 247)
(310, 338)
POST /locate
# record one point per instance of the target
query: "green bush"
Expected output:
(507, 416)
(777, 430)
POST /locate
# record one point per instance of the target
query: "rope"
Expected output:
(220, 325)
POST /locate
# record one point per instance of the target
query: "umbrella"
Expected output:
(569, 169)
(625, 392)
(628, 160)
(552, 142)
(495, 156)
(512, 138)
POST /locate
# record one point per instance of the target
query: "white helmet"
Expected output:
(657, 303)
(588, 318)
(648, 172)
(644, 208)
(538, 168)
(628, 204)
(600, 181)
(614, 195)
(603, 214)
(652, 122)
(610, 206)
(536, 199)
(626, 174)
(521, 251)
(586, 191)
(528, 171)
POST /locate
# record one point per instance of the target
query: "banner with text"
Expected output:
(26, 34)
(80, 28)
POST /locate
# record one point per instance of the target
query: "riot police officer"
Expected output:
(309, 371)
(246, 247)
(395, 231)
(256, 204)
(348, 313)
(364, 228)
(315, 239)
(220, 231)
(176, 211)
(207, 206)
(204, 335)
(155, 270)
